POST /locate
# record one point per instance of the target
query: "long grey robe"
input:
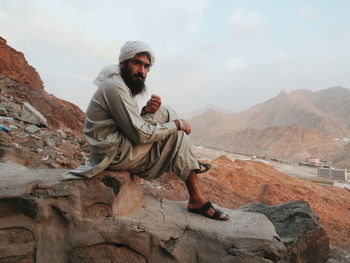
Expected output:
(120, 138)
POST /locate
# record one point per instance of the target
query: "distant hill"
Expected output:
(200, 111)
(325, 111)
(291, 125)
(291, 143)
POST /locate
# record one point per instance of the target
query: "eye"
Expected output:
(137, 62)
(147, 66)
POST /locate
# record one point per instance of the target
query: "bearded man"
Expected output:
(146, 144)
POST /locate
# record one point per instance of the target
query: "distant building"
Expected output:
(313, 160)
(334, 174)
(343, 140)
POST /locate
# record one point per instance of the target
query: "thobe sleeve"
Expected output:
(123, 110)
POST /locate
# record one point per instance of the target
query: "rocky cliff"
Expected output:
(108, 219)
(20, 82)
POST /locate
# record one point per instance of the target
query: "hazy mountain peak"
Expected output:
(208, 108)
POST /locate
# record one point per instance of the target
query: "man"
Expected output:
(146, 144)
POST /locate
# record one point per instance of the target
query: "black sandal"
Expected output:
(204, 212)
(206, 167)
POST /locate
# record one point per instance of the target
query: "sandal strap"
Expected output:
(217, 214)
(206, 207)
(206, 166)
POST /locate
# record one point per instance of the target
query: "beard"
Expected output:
(136, 86)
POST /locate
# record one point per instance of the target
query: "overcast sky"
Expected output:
(232, 54)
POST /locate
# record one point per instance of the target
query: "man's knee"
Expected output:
(172, 115)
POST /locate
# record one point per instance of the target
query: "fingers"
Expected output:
(156, 99)
(153, 104)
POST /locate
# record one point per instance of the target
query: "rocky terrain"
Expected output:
(45, 130)
(108, 219)
(233, 184)
(289, 126)
(43, 219)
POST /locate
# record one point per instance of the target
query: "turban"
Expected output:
(131, 48)
(128, 51)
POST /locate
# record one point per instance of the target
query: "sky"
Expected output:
(232, 54)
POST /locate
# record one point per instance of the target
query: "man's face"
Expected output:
(134, 73)
(139, 67)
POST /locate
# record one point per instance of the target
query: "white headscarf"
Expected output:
(128, 51)
(131, 48)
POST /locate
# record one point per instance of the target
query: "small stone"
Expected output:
(16, 145)
(32, 129)
(3, 112)
(35, 137)
(45, 158)
(62, 134)
(50, 142)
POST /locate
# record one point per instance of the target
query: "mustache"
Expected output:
(139, 75)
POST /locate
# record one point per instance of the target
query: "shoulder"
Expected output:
(115, 85)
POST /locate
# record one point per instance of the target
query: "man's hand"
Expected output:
(153, 104)
(186, 128)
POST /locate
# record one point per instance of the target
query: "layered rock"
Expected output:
(107, 219)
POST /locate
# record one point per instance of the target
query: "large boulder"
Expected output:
(108, 219)
(299, 229)
(31, 115)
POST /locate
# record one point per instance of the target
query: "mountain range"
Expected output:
(292, 126)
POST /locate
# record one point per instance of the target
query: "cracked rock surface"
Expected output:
(45, 219)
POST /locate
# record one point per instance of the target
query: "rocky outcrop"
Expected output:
(20, 82)
(30, 115)
(15, 66)
(233, 184)
(299, 229)
(107, 219)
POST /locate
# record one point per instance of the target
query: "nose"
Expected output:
(142, 69)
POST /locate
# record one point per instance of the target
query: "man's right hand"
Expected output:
(153, 104)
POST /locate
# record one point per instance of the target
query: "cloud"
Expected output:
(236, 63)
(278, 57)
(247, 25)
(307, 12)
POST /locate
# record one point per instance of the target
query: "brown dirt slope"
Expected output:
(233, 184)
(21, 82)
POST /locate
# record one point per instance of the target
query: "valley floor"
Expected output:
(294, 170)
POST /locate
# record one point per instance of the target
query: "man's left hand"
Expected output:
(153, 104)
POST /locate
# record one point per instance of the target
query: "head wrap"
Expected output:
(131, 48)
(128, 51)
